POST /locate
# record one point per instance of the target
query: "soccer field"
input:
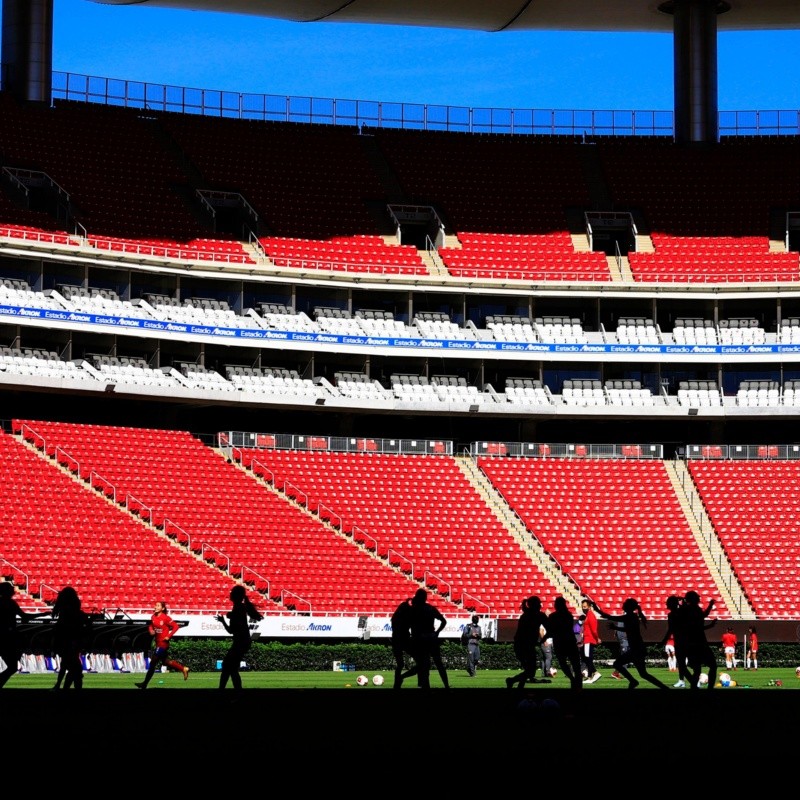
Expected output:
(299, 716)
(764, 678)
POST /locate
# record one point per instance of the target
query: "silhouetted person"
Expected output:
(69, 637)
(632, 619)
(622, 643)
(438, 662)
(162, 628)
(545, 652)
(560, 627)
(10, 642)
(526, 642)
(427, 622)
(236, 622)
(676, 629)
(401, 642)
(698, 650)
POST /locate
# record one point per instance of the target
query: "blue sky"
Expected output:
(541, 70)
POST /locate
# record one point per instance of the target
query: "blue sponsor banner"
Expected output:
(349, 340)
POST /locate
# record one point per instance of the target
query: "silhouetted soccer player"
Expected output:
(162, 628)
(677, 629)
(438, 662)
(632, 619)
(424, 636)
(698, 650)
(401, 642)
(560, 628)
(69, 637)
(236, 622)
(526, 642)
(10, 643)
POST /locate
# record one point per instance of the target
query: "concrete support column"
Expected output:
(695, 68)
(27, 49)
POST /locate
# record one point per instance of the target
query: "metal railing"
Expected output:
(743, 452)
(365, 114)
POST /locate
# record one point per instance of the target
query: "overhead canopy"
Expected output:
(498, 15)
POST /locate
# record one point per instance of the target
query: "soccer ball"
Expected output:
(703, 679)
(797, 671)
(725, 679)
(378, 680)
(554, 672)
(362, 680)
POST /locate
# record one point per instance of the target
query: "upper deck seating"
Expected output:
(349, 254)
(526, 257)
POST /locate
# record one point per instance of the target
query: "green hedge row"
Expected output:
(202, 655)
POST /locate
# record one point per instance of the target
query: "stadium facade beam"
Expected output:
(26, 68)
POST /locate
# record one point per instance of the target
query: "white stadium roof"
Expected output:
(499, 15)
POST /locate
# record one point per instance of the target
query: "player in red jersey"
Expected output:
(752, 648)
(162, 628)
(729, 648)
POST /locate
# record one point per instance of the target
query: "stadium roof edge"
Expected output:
(500, 15)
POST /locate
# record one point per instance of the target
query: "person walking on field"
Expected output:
(237, 623)
(526, 642)
(560, 628)
(698, 651)
(427, 622)
(401, 642)
(591, 638)
(676, 635)
(10, 643)
(546, 653)
(751, 658)
(729, 648)
(473, 635)
(162, 628)
(676, 630)
(622, 641)
(69, 637)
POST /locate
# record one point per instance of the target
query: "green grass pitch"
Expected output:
(763, 678)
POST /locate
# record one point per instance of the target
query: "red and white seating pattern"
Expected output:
(227, 517)
(616, 527)
(57, 532)
(754, 507)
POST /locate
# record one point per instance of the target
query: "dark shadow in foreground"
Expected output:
(324, 722)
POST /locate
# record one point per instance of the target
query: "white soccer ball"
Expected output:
(797, 671)
(725, 679)
(703, 679)
(553, 672)
(377, 680)
(362, 680)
